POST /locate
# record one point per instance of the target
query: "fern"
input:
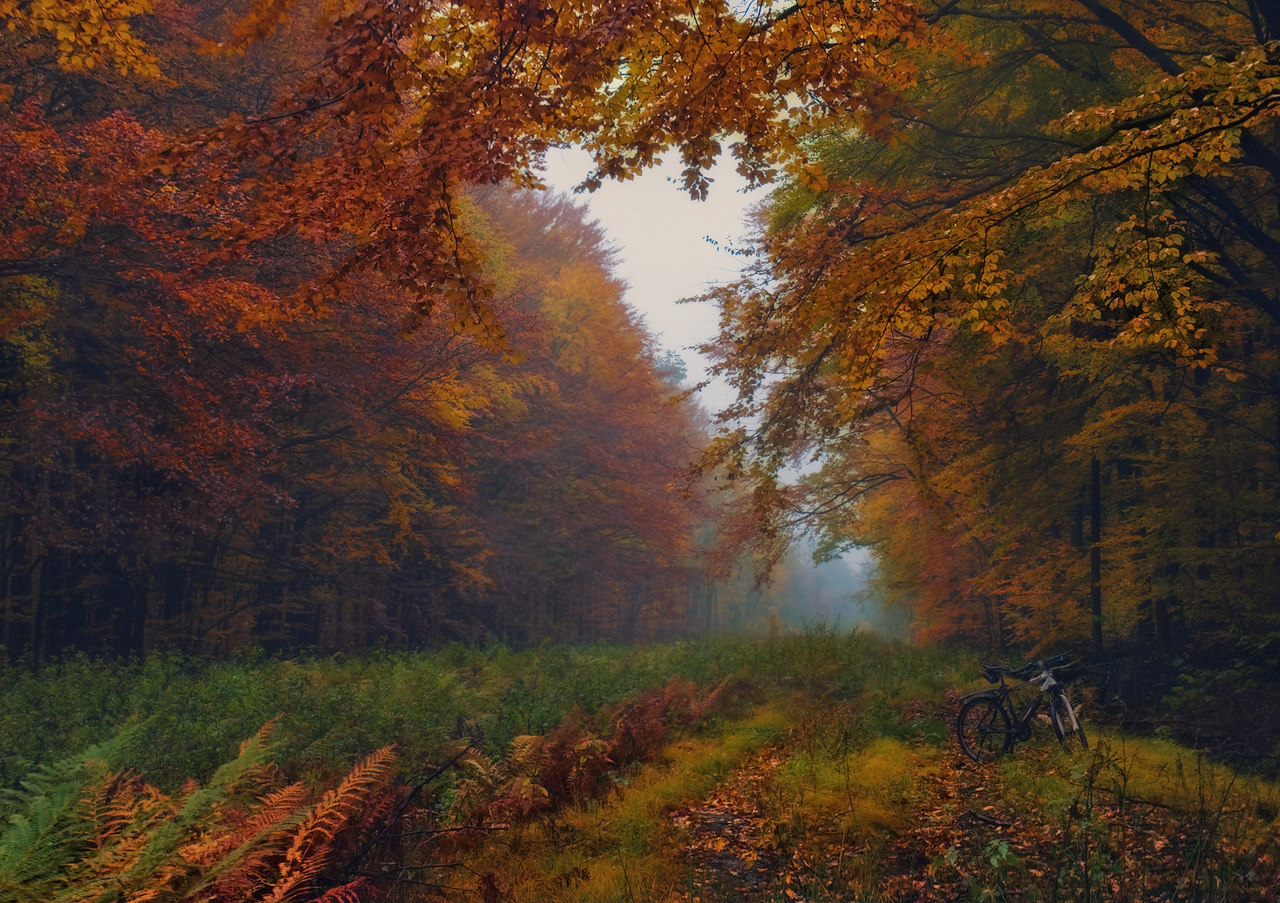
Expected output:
(125, 811)
(159, 865)
(355, 892)
(269, 814)
(48, 827)
(37, 845)
(314, 840)
(524, 751)
(80, 833)
(241, 853)
(113, 806)
(255, 832)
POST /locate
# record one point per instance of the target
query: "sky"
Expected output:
(661, 236)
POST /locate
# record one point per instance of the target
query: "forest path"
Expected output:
(748, 841)
(733, 849)
(1038, 824)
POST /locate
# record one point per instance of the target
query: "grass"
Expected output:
(621, 849)
(1129, 819)
(864, 795)
(854, 795)
(191, 715)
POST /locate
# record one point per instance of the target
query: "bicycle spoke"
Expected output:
(982, 729)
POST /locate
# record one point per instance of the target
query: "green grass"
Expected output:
(190, 716)
(857, 727)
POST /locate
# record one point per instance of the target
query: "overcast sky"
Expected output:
(662, 240)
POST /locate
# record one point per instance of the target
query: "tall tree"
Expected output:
(1058, 242)
(1079, 196)
(233, 413)
(579, 490)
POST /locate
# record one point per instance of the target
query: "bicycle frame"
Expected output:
(1003, 695)
(989, 722)
(1020, 726)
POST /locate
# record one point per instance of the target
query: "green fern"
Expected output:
(159, 858)
(46, 827)
(79, 833)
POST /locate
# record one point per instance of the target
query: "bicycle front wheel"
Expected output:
(1066, 725)
(983, 729)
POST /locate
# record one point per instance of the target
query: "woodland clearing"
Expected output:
(655, 773)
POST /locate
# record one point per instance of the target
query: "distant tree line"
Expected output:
(211, 438)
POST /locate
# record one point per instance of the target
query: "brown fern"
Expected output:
(114, 804)
(246, 824)
(358, 891)
(641, 725)
(246, 855)
(315, 839)
(245, 837)
(124, 812)
(573, 764)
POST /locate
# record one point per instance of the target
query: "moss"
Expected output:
(620, 848)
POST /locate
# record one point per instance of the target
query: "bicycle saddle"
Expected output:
(992, 672)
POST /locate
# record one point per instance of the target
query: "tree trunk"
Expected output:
(995, 630)
(1095, 555)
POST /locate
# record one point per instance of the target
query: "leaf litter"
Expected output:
(972, 831)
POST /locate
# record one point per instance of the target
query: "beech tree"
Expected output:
(579, 490)
(138, 401)
(1055, 254)
(1077, 197)
(229, 417)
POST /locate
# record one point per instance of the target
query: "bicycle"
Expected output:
(988, 722)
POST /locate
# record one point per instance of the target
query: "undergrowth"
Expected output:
(818, 766)
(188, 715)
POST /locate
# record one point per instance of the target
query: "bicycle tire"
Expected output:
(983, 729)
(1065, 723)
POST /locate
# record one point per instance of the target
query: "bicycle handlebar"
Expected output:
(1057, 661)
(993, 672)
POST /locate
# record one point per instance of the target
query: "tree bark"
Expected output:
(1095, 555)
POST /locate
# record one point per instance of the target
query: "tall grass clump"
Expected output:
(190, 714)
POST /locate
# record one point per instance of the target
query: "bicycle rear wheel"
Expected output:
(983, 729)
(1066, 725)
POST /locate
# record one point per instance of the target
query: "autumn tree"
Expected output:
(1055, 259)
(196, 197)
(204, 209)
(579, 490)
(233, 413)
(200, 451)
(136, 406)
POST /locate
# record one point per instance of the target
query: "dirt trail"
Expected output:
(732, 845)
(738, 850)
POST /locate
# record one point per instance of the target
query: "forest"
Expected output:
(230, 422)
(301, 360)
(297, 354)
